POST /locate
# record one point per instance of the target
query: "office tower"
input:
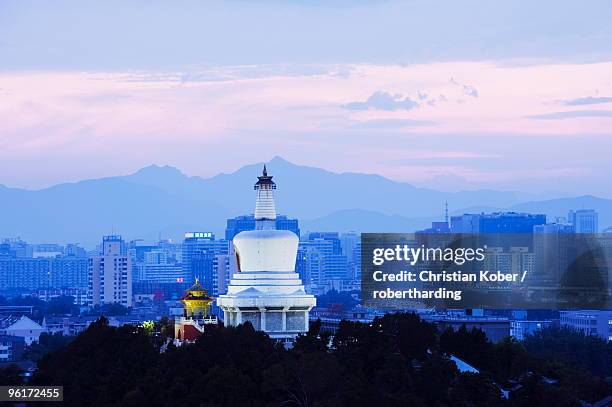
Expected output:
(552, 243)
(522, 260)
(357, 259)
(510, 222)
(437, 227)
(266, 291)
(497, 259)
(348, 242)
(202, 268)
(110, 274)
(159, 267)
(238, 224)
(172, 250)
(584, 220)
(247, 222)
(327, 237)
(336, 268)
(197, 248)
(222, 272)
(466, 223)
(497, 222)
(312, 266)
(325, 264)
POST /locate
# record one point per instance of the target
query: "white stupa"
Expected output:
(266, 290)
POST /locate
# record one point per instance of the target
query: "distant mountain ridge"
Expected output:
(162, 200)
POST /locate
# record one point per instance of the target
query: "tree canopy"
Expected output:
(397, 360)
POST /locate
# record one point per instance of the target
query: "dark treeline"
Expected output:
(398, 360)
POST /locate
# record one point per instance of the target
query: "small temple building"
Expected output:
(196, 314)
(266, 291)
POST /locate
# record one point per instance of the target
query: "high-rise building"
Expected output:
(350, 242)
(357, 260)
(158, 267)
(551, 245)
(110, 274)
(584, 220)
(266, 291)
(331, 239)
(222, 271)
(311, 267)
(497, 222)
(466, 223)
(510, 222)
(42, 272)
(198, 249)
(326, 261)
(17, 248)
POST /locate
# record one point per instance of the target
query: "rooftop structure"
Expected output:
(196, 314)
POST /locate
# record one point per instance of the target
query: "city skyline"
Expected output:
(330, 203)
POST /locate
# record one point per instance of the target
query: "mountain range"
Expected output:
(162, 201)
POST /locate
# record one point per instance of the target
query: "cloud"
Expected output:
(589, 100)
(572, 114)
(469, 90)
(381, 100)
(389, 124)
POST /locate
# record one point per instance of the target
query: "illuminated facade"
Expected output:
(266, 291)
(196, 314)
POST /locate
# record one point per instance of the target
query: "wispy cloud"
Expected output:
(469, 90)
(389, 124)
(381, 100)
(589, 100)
(572, 114)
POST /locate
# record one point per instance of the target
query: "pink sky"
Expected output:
(60, 126)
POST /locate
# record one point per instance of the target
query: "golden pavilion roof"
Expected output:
(196, 293)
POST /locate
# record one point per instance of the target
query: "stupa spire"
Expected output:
(265, 208)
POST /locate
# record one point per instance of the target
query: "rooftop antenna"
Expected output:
(446, 212)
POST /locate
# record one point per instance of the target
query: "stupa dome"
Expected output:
(266, 250)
